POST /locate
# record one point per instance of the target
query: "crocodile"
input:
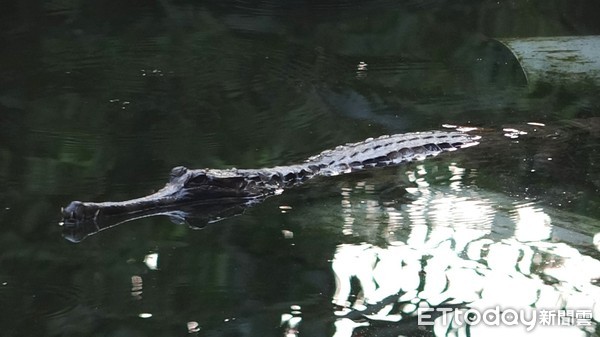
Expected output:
(235, 186)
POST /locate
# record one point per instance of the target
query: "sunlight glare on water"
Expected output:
(451, 229)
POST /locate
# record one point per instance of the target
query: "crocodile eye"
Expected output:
(196, 177)
(177, 172)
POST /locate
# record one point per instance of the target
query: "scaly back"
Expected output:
(389, 150)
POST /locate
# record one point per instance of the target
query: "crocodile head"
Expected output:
(184, 187)
(216, 185)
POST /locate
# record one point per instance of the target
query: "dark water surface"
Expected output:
(100, 99)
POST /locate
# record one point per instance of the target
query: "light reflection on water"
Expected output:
(455, 245)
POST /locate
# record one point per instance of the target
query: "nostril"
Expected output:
(74, 211)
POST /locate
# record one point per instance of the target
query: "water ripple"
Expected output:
(55, 300)
(39, 300)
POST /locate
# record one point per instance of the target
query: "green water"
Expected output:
(99, 100)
